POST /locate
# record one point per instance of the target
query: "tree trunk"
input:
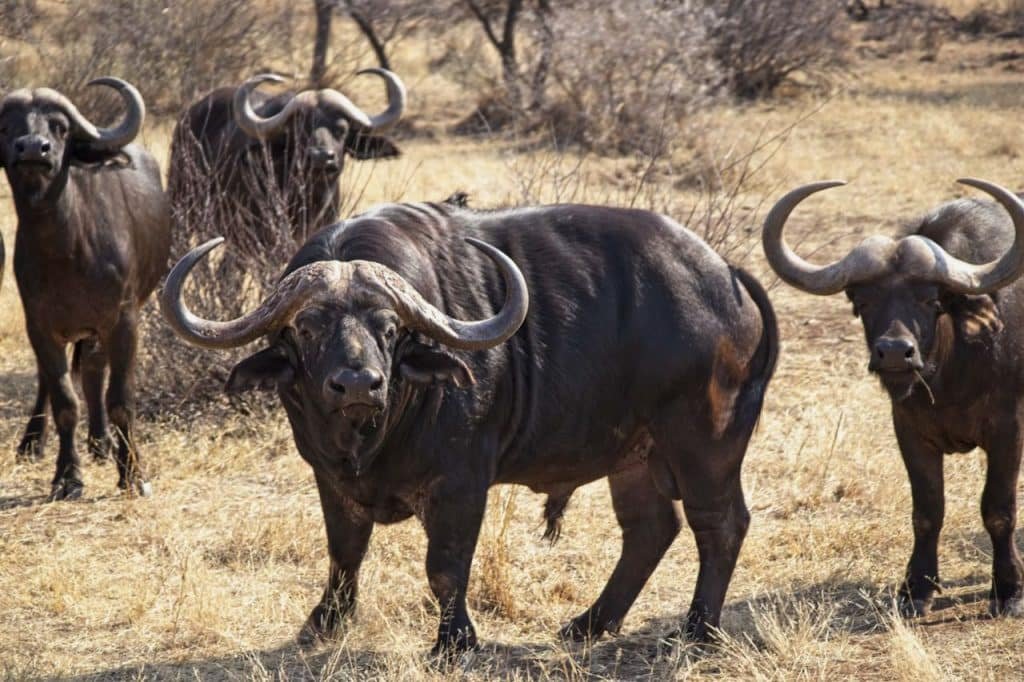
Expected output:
(318, 72)
(366, 28)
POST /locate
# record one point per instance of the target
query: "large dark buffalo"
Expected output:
(943, 314)
(275, 160)
(92, 243)
(643, 357)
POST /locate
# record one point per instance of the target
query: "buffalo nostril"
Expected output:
(376, 382)
(336, 386)
(909, 353)
(19, 146)
(44, 147)
(881, 353)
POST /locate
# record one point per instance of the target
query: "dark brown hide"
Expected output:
(92, 243)
(608, 376)
(953, 365)
(291, 175)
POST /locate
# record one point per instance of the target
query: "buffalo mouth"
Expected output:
(900, 384)
(34, 166)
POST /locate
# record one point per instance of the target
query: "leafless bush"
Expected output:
(760, 43)
(171, 51)
(386, 23)
(628, 79)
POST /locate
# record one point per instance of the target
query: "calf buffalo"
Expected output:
(274, 160)
(642, 356)
(943, 314)
(92, 243)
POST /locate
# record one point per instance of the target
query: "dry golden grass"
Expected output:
(212, 576)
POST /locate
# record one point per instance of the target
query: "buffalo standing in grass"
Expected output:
(92, 243)
(272, 161)
(642, 356)
(943, 314)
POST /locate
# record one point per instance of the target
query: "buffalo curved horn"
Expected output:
(418, 314)
(286, 299)
(252, 123)
(875, 255)
(316, 278)
(378, 122)
(791, 268)
(102, 138)
(968, 278)
(261, 128)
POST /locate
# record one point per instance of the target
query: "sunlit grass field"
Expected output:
(212, 577)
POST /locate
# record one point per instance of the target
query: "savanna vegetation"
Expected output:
(704, 109)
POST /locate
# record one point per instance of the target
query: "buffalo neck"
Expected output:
(50, 220)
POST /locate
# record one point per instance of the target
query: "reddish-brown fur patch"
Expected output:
(728, 372)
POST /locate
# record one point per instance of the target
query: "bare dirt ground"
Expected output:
(212, 576)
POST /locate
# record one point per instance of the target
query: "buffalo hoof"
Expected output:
(582, 628)
(29, 450)
(322, 625)
(100, 449)
(66, 489)
(914, 608)
(1012, 607)
(450, 651)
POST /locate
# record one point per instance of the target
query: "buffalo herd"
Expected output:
(424, 352)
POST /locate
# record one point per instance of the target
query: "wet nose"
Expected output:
(895, 354)
(355, 386)
(32, 148)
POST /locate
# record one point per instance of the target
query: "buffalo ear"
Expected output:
(429, 366)
(362, 147)
(976, 317)
(264, 370)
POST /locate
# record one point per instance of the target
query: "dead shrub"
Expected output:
(171, 51)
(627, 79)
(758, 44)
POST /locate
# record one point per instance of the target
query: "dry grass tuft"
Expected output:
(211, 578)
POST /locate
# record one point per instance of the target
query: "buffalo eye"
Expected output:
(389, 332)
(58, 128)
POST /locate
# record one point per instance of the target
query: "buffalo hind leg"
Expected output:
(924, 469)
(122, 346)
(348, 535)
(31, 445)
(705, 471)
(999, 511)
(94, 367)
(649, 523)
(452, 519)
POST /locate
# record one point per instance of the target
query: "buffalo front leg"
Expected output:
(94, 368)
(999, 512)
(452, 520)
(122, 347)
(348, 534)
(924, 468)
(649, 522)
(53, 363)
(31, 445)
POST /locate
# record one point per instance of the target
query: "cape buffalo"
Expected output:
(643, 357)
(92, 242)
(267, 161)
(943, 315)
